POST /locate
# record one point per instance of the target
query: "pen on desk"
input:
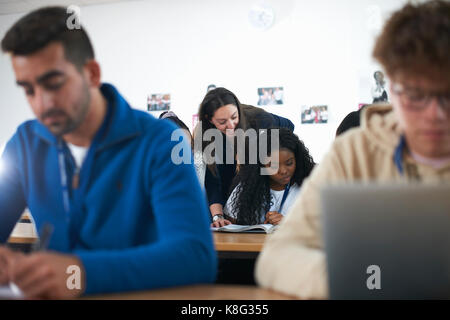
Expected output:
(44, 238)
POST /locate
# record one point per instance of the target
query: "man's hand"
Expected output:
(7, 257)
(43, 275)
(273, 217)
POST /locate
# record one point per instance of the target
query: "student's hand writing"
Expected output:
(273, 217)
(7, 257)
(220, 223)
(43, 275)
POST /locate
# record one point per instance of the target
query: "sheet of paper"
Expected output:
(10, 291)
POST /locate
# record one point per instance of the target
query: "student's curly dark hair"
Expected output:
(253, 189)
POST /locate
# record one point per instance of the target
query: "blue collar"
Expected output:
(398, 154)
(122, 125)
(285, 194)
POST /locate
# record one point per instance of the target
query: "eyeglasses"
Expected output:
(418, 100)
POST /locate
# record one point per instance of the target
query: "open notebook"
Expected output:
(261, 228)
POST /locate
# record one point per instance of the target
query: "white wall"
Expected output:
(319, 51)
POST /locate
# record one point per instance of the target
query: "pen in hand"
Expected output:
(44, 238)
(40, 245)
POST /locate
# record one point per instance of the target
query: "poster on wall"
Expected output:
(158, 102)
(270, 96)
(315, 114)
(378, 91)
(211, 87)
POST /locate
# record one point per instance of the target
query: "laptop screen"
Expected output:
(387, 241)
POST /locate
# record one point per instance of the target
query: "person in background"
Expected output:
(98, 172)
(261, 198)
(351, 120)
(211, 87)
(221, 110)
(169, 115)
(408, 142)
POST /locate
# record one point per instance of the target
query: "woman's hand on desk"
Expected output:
(220, 223)
(273, 217)
(43, 275)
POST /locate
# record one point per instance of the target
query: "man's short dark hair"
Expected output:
(43, 26)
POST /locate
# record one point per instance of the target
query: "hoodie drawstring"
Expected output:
(398, 154)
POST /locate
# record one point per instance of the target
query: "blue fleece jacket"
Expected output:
(137, 221)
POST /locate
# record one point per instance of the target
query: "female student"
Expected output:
(261, 198)
(169, 115)
(221, 110)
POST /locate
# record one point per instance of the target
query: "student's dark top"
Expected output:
(218, 186)
(258, 118)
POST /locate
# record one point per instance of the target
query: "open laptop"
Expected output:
(387, 241)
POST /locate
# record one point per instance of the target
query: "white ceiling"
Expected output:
(19, 6)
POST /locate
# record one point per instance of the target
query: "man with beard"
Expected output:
(99, 172)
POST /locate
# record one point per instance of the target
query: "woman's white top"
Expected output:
(200, 168)
(276, 197)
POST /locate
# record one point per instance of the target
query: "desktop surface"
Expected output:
(200, 292)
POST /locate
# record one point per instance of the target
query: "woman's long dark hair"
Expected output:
(253, 189)
(212, 101)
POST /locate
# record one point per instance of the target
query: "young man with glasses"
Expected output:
(408, 141)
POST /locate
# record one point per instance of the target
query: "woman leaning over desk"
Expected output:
(221, 110)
